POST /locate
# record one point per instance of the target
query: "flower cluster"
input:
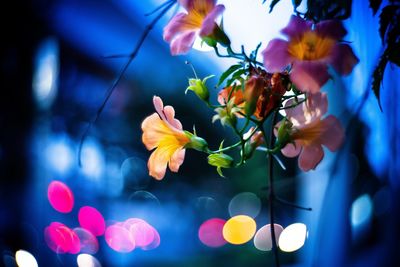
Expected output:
(289, 79)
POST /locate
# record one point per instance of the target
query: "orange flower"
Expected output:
(164, 133)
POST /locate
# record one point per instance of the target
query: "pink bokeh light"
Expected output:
(119, 239)
(61, 239)
(92, 220)
(141, 231)
(89, 243)
(60, 196)
(156, 240)
(210, 233)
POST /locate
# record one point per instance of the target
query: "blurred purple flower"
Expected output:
(310, 49)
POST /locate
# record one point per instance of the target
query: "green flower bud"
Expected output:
(284, 133)
(220, 161)
(217, 36)
(199, 88)
(196, 142)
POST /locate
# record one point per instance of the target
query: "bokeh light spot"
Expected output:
(156, 240)
(263, 237)
(119, 239)
(86, 260)
(92, 220)
(88, 241)
(245, 203)
(239, 229)
(60, 197)
(61, 239)
(142, 232)
(25, 259)
(361, 210)
(210, 233)
(293, 237)
(134, 173)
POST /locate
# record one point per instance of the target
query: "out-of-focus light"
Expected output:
(59, 155)
(9, 261)
(119, 239)
(134, 173)
(245, 203)
(156, 240)
(293, 237)
(61, 239)
(210, 232)
(201, 46)
(45, 76)
(263, 238)
(60, 197)
(92, 159)
(239, 229)
(25, 259)
(88, 242)
(142, 232)
(86, 260)
(92, 220)
(361, 210)
(144, 197)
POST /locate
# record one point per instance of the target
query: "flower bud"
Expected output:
(253, 89)
(196, 142)
(220, 161)
(284, 133)
(255, 140)
(199, 88)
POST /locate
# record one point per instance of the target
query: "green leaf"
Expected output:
(219, 170)
(375, 4)
(272, 5)
(228, 72)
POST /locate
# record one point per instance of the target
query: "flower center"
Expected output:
(311, 46)
(308, 134)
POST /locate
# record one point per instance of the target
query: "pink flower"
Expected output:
(183, 28)
(164, 133)
(309, 132)
(310, 49)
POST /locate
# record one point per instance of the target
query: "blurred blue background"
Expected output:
(54, 77)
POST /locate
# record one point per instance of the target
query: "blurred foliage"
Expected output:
(389, 30)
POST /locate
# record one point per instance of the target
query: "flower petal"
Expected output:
(296, 27)
(170, 116)
(309, 76)
(176, 160)
(203, 7)
(276, 55)
(310, 156)
(209, 24)
(151, 131)
(179, 23)
(157, 163)
(291, 150)
(182, 43)
(331, 28)
(333, 136)
(343, 59)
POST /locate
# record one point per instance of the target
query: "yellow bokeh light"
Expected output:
(239, 229)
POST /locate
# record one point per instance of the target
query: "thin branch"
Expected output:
(271, 190)
(290, 204)
(132, 56)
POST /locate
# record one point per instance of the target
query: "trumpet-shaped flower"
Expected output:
(183, 28)
(164, 133)
(308, 132)
(310, 49)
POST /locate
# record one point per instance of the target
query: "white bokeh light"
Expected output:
(25, 259)
(293, 237)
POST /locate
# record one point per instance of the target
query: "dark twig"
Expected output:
(271, 190)
(290, 204)
(132, 56)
